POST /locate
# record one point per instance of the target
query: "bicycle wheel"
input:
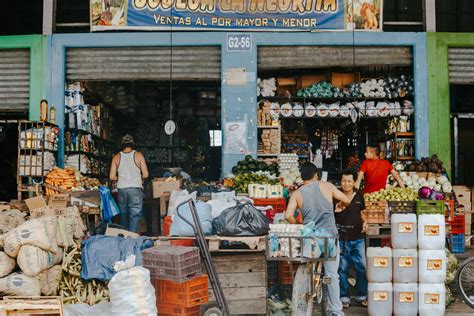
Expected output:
(302, 304)
(465, 281)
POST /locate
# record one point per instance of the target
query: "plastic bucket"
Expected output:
(404, 231)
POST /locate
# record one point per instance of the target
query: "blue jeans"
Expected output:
(130, 201)
(355, 253)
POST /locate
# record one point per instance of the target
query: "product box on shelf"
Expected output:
(286, 84)
(308, 81)
(341, 79)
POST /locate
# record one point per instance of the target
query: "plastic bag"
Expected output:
(99, 254)
(178, 197)
(219, 205)
(108, 207)
(180, 228)
(102, 309)
(314, 247)
(241, 220)
(131, 292)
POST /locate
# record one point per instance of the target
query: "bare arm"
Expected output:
(338, 195)
(113, 168)
(143, 166)
(291, 208)
(397, 177)
(360, 176)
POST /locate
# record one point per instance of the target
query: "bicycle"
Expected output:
(465, 281)
(310, 282)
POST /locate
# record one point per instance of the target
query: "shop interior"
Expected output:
(317, 122)
(141, 108)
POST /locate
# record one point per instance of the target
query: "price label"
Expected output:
(239, 42)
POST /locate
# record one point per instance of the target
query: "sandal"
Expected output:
(363, 303)
(345, 305)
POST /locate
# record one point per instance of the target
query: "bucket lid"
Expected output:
(380, 287)
(404, 252)
(379, 251)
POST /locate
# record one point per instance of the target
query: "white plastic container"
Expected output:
(380, 299)
(405, 265)
(432, 266)
(432, 299)
(379, 264)
(431, 232)
(404, 231)
(405, 299)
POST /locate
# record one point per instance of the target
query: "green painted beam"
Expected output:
(38, 49)
(440, 134)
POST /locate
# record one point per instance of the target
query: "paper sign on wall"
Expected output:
(236, 138)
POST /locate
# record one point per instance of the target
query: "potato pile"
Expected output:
(85, 183)
(62, 178)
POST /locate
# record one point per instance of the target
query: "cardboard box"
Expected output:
(341, 79)
(468, 224)
(464, 206)
(284, 85)
(308, 81)
(162, 186)
(38, 207)
(463, 193)
(58, 200)
(120, 232)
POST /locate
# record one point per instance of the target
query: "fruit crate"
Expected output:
(402, 206)
(457, 224)
(173, 310)
(191, 293)
(286, 272)
(172, 263)
(430, 207)
(278, 204)
(459, 241)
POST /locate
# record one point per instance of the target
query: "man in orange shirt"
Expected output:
(375, 171)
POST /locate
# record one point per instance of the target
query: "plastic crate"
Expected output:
(278, 204)
(172, 310)
(167, 221)
(459, 241)
(285, 269)
(458, 224)
(191, 293)
(176, 264)
(272, 272)
(450, 209)
(402, 206)
(430, 207)
(375, 213)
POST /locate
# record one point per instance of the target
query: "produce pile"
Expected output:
(249, 164)
(86, 183)
(69, 179)
(241, 181)
(72, 288)
(433, 164)
(451, 269)
(392, 194)
(415, 182)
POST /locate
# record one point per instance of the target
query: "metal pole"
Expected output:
(429, 15)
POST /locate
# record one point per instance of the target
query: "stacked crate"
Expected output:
(463, 197)
(180, 286)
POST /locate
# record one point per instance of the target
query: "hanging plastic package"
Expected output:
(179, 227)
(241, 220)
(108, 207)
(314, 247)
(131, 291)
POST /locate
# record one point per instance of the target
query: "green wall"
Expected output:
(440, 139)
(38, 50)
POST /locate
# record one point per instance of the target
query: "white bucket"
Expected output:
(431, 232)
(432, 266)
(404, 231)
(405, 299)
(432, 299)
(405, 265)
(380, 299)
(379, 264)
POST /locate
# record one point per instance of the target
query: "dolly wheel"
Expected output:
(213, 311)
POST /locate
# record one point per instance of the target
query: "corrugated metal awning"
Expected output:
(14, 80)
(299, 57)
(143, 63)
(461, 65)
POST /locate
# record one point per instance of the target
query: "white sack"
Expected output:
(33, 260)
(178, 197)
(17, 284)
(7, 264)
(49, 280)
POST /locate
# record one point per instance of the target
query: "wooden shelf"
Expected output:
(404, 158)
(268, 155)
(268, 126)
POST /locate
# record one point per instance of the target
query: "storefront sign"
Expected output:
(239, 42)
(251, 15)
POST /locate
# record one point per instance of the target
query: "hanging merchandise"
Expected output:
(44, 110)
(108, 207)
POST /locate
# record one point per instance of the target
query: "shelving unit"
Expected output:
(37, 155)
(398, 139)
(273, 154)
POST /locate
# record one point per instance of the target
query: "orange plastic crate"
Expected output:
(167, 221)
(187, 294)
(172, 310)
(278, 204)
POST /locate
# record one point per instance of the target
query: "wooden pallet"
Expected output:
(29, 306)
(216, 243)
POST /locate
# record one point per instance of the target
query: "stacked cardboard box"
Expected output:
(271, 141)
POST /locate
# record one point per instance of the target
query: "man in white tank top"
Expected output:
(129, 169)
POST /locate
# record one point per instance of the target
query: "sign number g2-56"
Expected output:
(239, 42)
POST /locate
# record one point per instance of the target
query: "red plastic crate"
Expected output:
(285, 277)
(278, 205)
(450, 208)
(187, 294)
(167, 221)
(458, 224)
(385, 242)
(172, 310)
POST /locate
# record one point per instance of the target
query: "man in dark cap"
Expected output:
(129, 169)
